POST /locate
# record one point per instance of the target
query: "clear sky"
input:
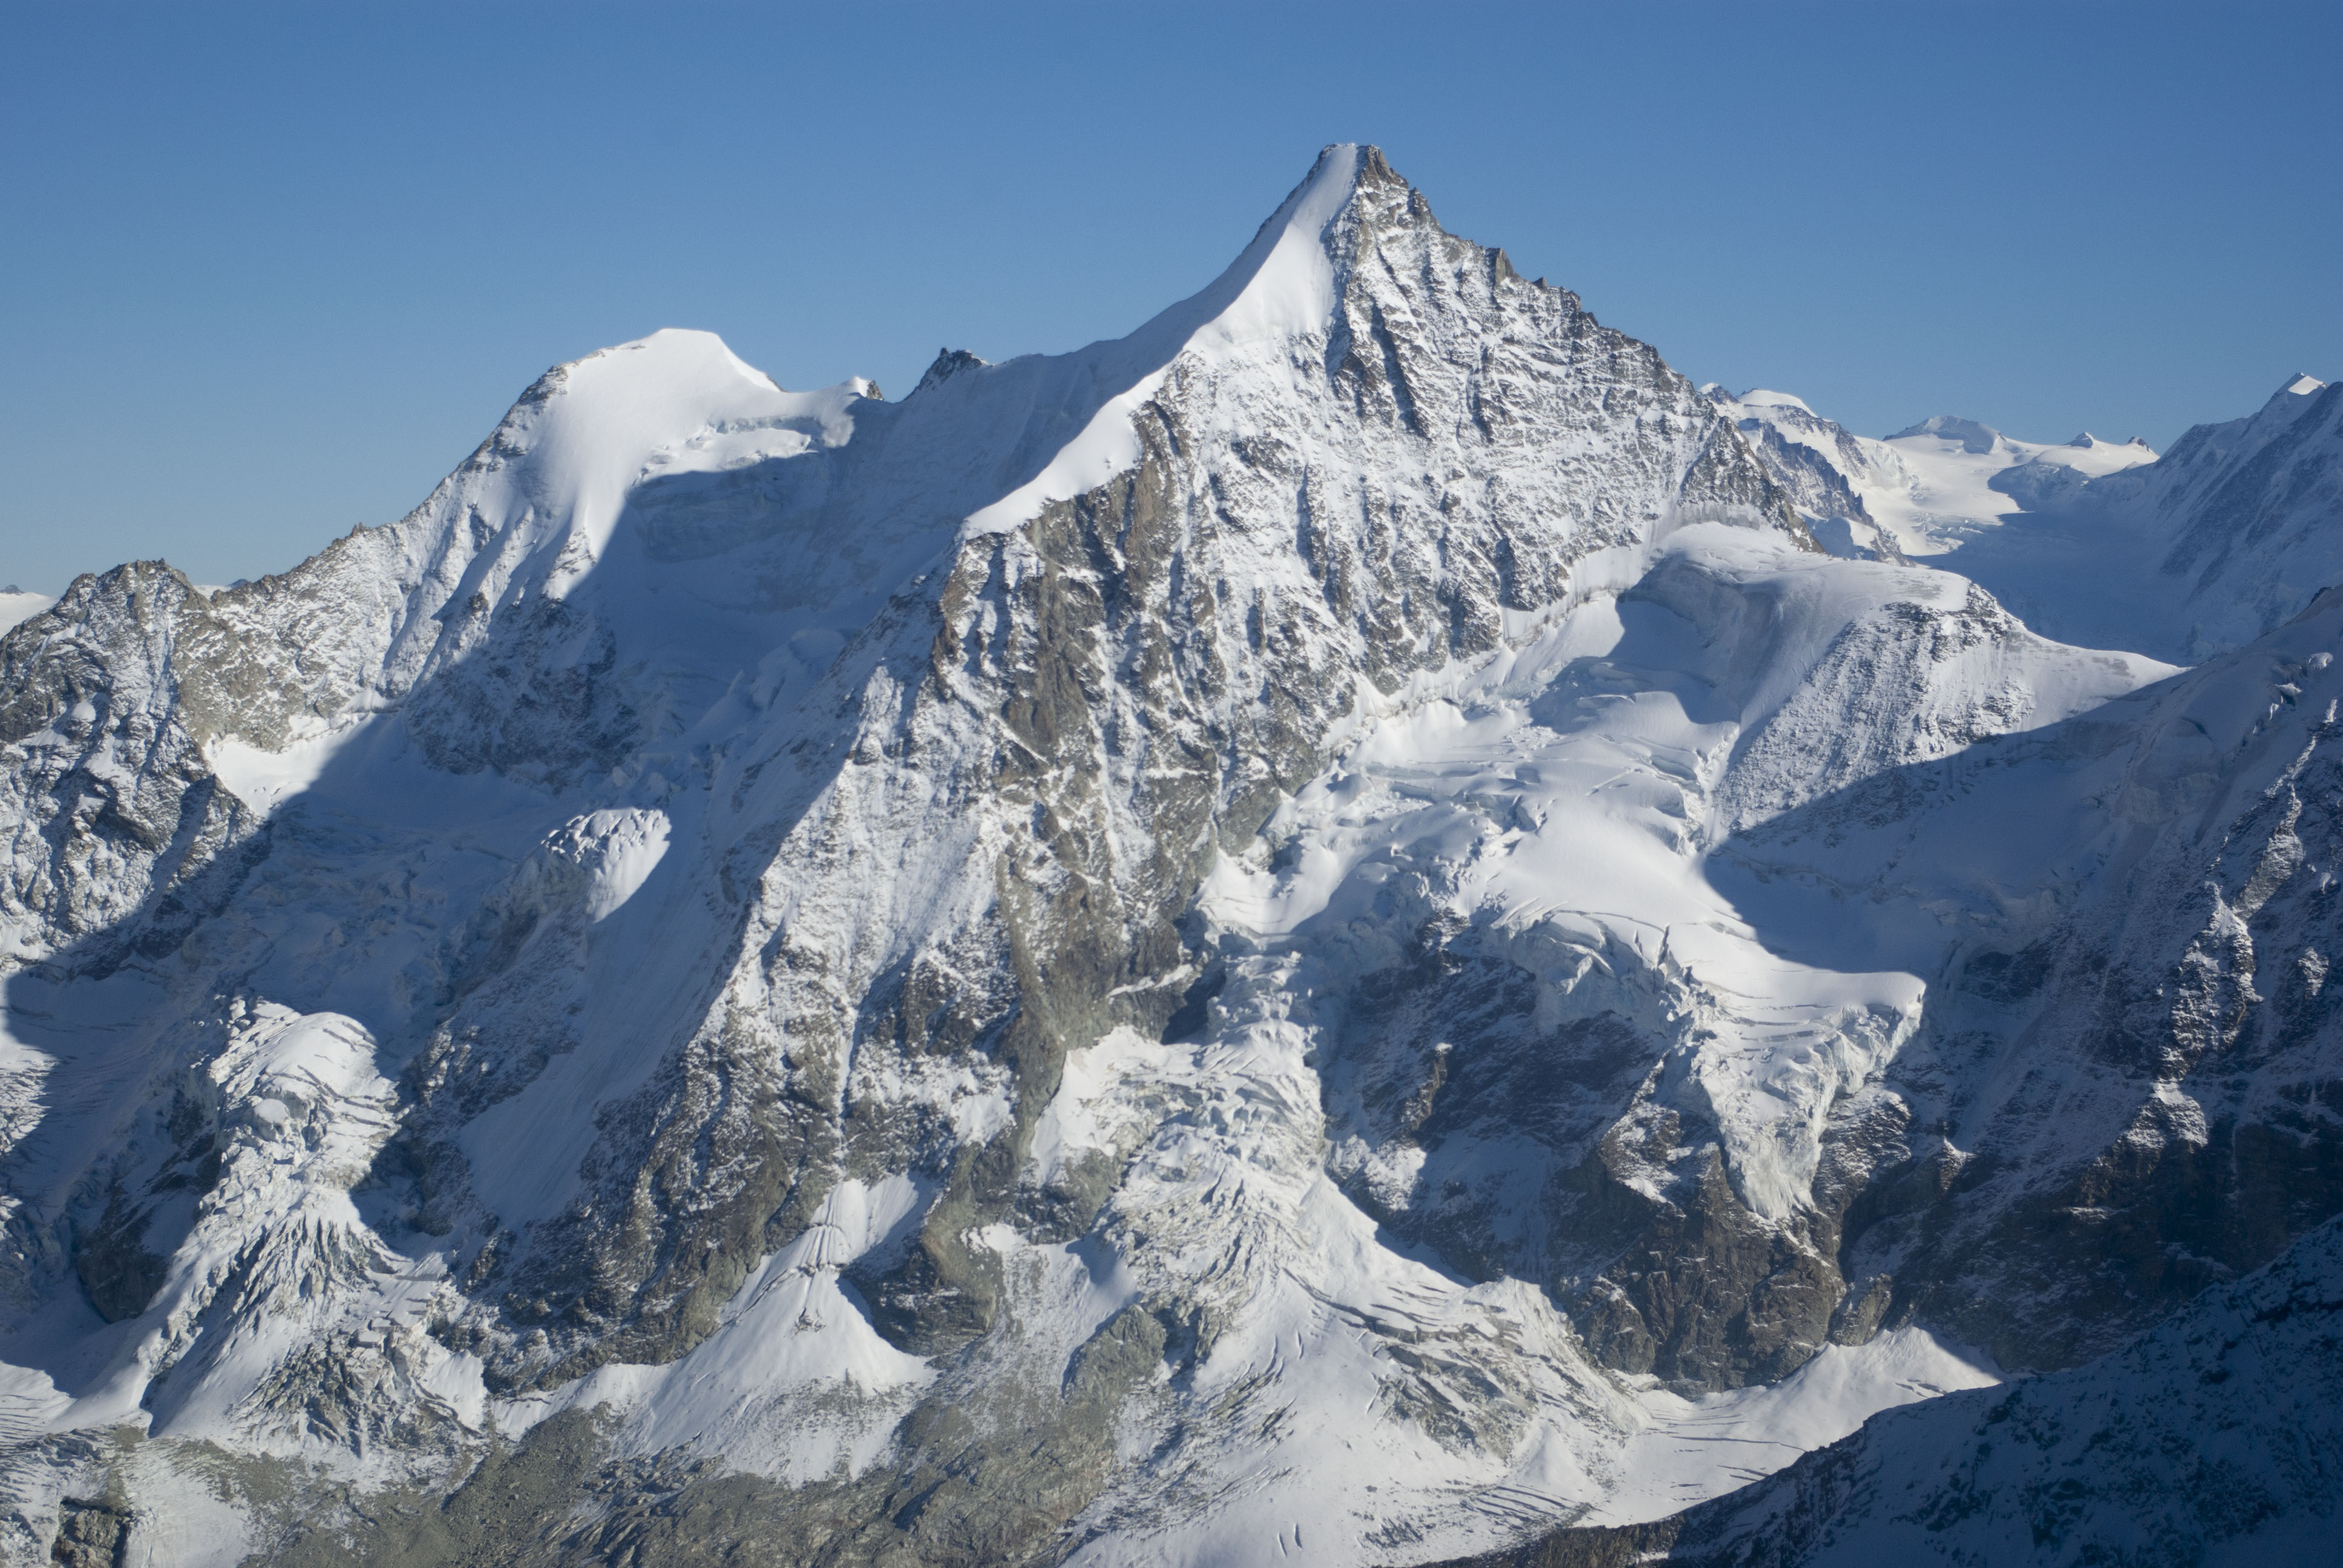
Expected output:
(268, 272)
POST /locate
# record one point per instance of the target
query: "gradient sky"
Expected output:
(267, 272)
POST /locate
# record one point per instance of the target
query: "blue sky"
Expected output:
(270, 272)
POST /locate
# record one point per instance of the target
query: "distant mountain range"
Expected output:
(2224, 538)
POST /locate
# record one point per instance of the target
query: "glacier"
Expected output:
(1361, 926)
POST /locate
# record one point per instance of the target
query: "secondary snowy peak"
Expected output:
(1827, 469)
(1971, 437)
(1760, 397)
(590, 430)
(562, 468)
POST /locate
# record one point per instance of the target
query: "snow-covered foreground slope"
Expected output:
(1321, 932)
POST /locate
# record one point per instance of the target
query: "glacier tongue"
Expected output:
(1320, 931)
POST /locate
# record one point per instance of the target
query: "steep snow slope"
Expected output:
(1317, 931)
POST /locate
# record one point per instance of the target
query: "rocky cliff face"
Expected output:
(1278, 936)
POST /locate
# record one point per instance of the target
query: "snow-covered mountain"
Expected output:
(1320, 931)
(2221, 540)
(2228, 535)
(1923, 491)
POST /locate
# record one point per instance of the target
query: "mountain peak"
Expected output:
(591, 426)
(2286, 404)
(1282, 286)
(1972, 436)
(1760, 397)
(949, 362)
(1369, 168)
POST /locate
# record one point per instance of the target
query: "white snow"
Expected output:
(1750, 1432)
(264, 779)
(1576, 829)
(616, 850)
(1933, 488)
(610, 426)
(17, 607)
(1950, 494)
(1281, 288)
(794, 1383)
